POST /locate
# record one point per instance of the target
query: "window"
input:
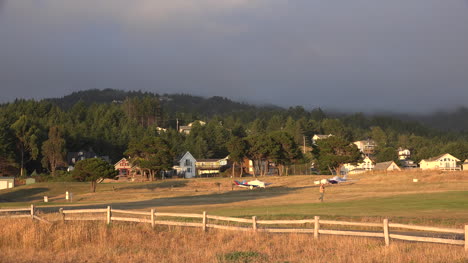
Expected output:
(189, 170)
(187, 162)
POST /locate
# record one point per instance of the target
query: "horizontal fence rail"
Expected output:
(31, 213)
(312, 226)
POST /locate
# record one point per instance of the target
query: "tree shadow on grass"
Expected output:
(155, 185)
(235, 196)
(22, 195)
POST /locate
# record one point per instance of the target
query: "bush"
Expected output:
(60, 176)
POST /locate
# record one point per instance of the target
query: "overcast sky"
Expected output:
(361, 55)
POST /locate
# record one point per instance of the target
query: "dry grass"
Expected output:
(24, 241)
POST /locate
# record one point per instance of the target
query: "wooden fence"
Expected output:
(29, 212)
(381, 230)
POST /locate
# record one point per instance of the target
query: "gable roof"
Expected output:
(433, 159)
(185, 154)
(120, 161)
(383, 165)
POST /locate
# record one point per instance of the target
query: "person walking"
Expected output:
(322, 192)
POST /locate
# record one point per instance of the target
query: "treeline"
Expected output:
(109, 122)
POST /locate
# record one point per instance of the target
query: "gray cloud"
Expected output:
(361, 55)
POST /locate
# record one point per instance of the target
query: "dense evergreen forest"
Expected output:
(37, 134)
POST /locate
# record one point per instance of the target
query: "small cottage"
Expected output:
(387, 166)
(7, 182)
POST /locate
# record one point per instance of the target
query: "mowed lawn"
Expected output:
(437, 199)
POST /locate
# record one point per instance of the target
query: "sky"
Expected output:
(360, 55)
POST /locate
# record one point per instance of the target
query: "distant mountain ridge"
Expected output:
(171, 103)
(456, 120)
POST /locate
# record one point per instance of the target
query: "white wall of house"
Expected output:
(187, 165)
(367, 164)
(446, 161)
(7, 183)
(393, 167)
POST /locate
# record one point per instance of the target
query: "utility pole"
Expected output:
(177, 125)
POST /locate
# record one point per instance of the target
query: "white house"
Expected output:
(366, 146)
(403, 154)
(366, 165)
(186, 165)
(317, 137)
(465, 165)
(445, 161)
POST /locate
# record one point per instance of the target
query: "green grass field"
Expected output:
(438, 199)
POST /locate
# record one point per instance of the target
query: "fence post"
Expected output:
(108, 215)
(62, 214)
(152, 218)
(254, 223)
(385, 229)
(32, 211)
(316, 226)
(204, 220)
(466, 237)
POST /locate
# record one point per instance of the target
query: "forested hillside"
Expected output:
(111, 122)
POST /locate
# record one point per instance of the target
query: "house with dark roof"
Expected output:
(387, 166)
(446, 162)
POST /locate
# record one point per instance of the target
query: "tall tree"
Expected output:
(287, 152)
(53, 150)
(26, 134)
(8, 167)
(260, 149)
(333, 152)
(379, 136)
(91, 170)
(152, 154)
(384, 154)
(237, 151)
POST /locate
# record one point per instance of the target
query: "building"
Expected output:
(188, 128)
(446, 162)
(210, 166)
(317, 137)
(248, 166)
(7, 182)
(124, 167)
(74, 157)
(387, 166)
(366, 165)
(408, 164)
(186, 166)
(161, 130)
(465, 165)
(367, 147)
(403, 154)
